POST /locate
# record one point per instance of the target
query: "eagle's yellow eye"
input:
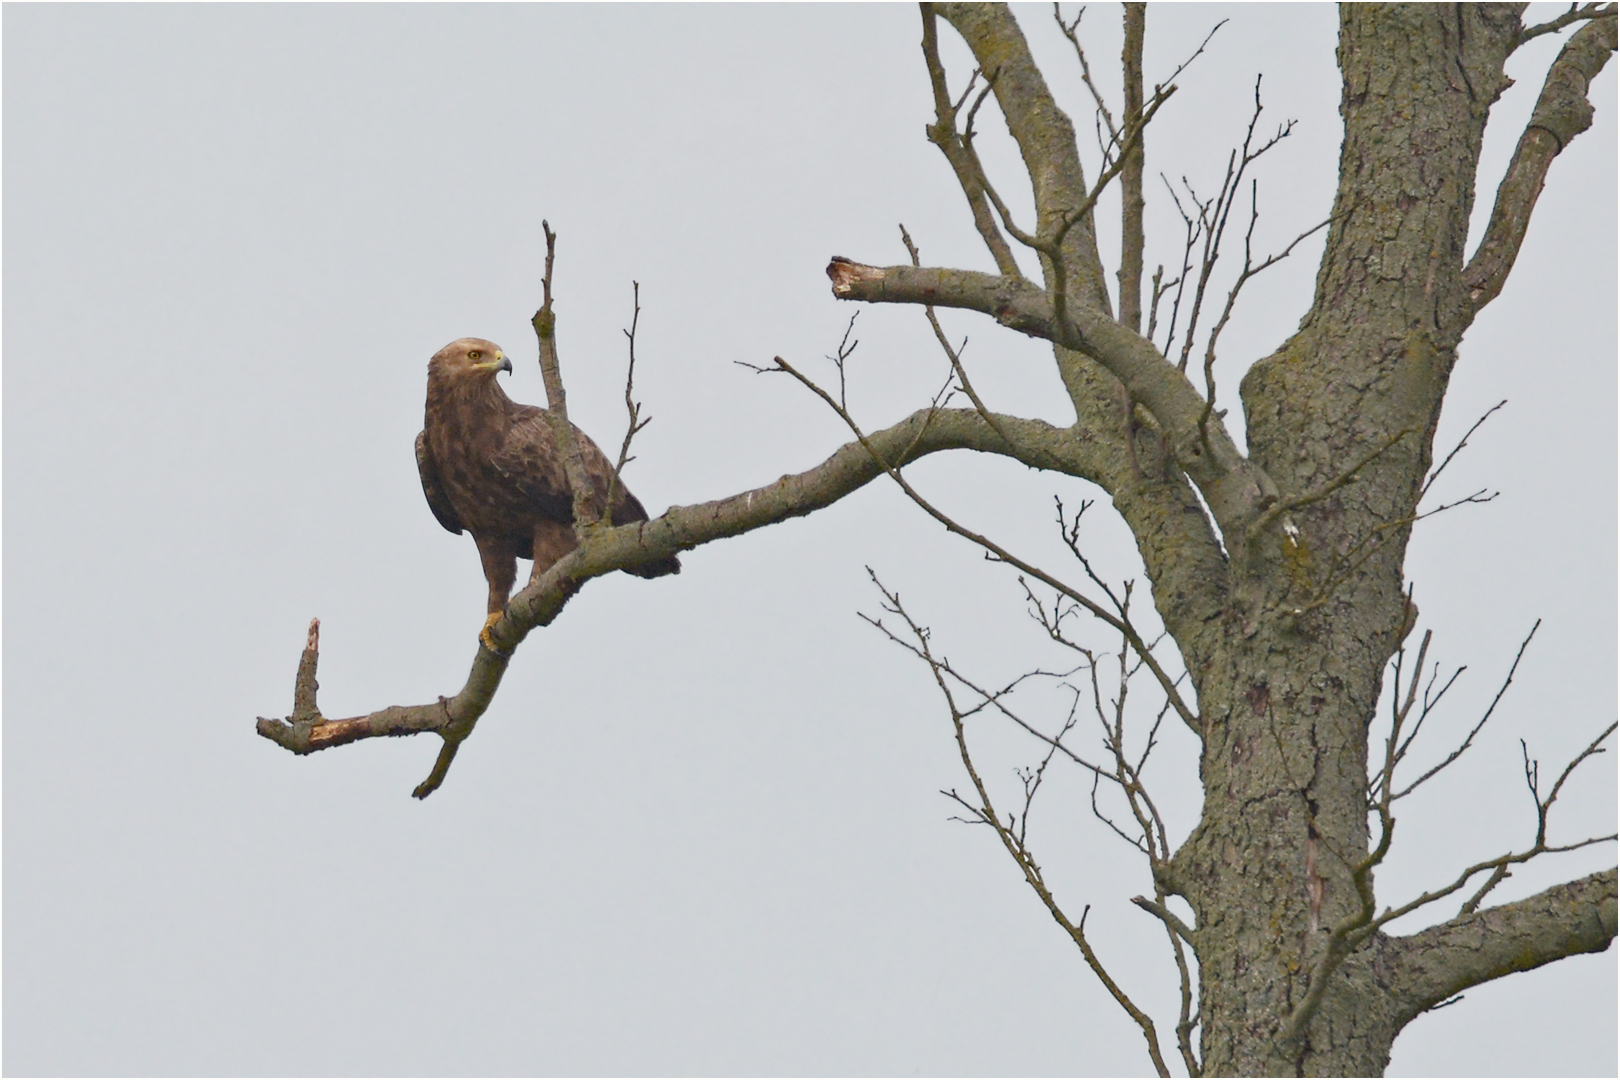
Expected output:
(474, 355)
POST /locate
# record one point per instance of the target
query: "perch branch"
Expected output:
(678, 529)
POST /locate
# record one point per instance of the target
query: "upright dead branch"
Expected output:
(1132, 201)
(587, 510)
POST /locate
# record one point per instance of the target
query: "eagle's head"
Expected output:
(468, 358)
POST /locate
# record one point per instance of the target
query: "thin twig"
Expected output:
(1166, 916)
(1576, 13)
(631, 406)
(1455, 450)
(1469, 741)
(1214, 215)
(1249, 271)
(953, 354)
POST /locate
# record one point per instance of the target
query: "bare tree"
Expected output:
(1279, 599)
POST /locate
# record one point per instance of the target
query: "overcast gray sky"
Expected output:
(700, 830)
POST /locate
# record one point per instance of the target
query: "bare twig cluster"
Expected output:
(1119, 768)
(992, 549)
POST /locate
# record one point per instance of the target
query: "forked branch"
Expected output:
(1576, 13)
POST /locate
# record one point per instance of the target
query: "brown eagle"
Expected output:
(491, 466)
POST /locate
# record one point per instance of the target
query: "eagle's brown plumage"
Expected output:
(490, 466)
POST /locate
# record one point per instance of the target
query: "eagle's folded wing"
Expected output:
(437, 500)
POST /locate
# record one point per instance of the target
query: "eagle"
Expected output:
(493, 468)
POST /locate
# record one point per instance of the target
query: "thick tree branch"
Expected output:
(1442, 961)
(1360, 925)
(1236, 490)
(1562, 112)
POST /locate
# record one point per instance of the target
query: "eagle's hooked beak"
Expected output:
(504, 365)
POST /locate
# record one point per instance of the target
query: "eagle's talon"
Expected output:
(484, 637)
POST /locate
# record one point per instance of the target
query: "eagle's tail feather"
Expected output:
(659, 568)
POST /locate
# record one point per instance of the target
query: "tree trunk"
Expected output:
(1289, 695)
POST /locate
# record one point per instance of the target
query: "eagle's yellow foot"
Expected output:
(483, 635)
